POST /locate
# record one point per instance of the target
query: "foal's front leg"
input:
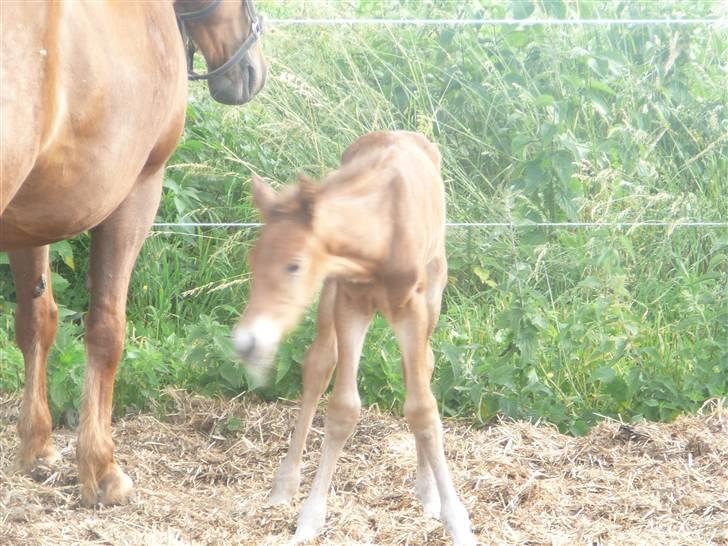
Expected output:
(115, 245)
(318, 365)
(352, 318)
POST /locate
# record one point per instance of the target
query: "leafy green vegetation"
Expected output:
(610, 123)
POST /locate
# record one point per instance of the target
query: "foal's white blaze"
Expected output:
(267, 333)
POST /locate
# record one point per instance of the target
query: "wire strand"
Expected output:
(514, 225)
(508, 22)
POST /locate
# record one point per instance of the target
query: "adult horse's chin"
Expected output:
(240, 84)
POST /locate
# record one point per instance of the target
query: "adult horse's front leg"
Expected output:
(36, 318)
(115, 245)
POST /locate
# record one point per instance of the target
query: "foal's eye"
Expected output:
(293, 267)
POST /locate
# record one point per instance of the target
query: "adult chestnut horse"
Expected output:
(93, 102)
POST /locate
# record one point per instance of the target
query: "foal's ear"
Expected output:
(263, 195)
(307, 194)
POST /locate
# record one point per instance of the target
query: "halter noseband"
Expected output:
(256, 29)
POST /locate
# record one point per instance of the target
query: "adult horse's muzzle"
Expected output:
(241, 83)
(242, 75)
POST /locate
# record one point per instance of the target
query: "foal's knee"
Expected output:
(343, 415)
(421, 413)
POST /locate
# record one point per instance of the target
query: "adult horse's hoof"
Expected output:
(114, 488)
(39, 465)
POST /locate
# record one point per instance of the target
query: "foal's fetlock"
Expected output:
(429, 497)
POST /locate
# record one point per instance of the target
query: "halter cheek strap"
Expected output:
(256, 29)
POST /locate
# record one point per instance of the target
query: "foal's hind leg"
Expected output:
(318, 365)
(426, 488)
(420, 408)
(36, 318)
(115, 245)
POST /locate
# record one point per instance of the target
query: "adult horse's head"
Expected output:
(228, 34)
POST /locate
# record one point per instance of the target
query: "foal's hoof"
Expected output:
(457, 523)
(310, 522)
(114, 487)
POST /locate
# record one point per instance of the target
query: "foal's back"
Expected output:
(407, 166)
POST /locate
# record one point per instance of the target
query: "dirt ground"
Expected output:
(203, 474)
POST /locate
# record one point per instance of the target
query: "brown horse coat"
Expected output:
(92, 104)
(373, 233)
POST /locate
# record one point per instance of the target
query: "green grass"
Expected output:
(536, 124)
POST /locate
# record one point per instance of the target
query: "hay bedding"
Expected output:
(199, 482)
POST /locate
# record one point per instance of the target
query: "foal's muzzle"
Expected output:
(244, 343)
(256, 343)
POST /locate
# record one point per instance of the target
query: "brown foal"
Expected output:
(373, 233)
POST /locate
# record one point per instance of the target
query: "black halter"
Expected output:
(256, 29)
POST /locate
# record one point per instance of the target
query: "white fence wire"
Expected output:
(507, 22)
(510, 225)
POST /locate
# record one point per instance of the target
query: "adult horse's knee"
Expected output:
(105, 330)
(36, 321)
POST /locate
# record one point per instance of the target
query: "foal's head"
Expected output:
(287, 266)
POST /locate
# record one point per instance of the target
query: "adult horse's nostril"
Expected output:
(249, 80)
(244, 343)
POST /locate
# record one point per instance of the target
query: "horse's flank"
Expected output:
(92, 105)
(91, 62)
(383, 211)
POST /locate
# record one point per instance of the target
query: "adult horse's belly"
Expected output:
(111, 98)
(51, 205)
